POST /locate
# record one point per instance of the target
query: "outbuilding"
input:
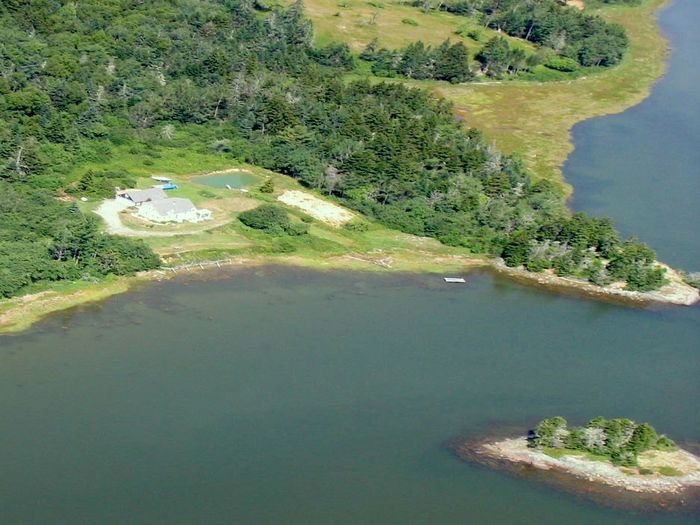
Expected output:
(139, 197)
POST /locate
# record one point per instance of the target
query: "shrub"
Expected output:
(664, 443)
(273, 220)
(268, 186)
(409, 22)
(221, 146)
(560, 63)
(469, 32)
(357, 225)
(207, 194)
(669, 471)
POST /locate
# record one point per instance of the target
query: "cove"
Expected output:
(642, 167)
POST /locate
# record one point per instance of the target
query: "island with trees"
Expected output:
(616, 453)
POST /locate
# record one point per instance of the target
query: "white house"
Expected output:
(172, 210)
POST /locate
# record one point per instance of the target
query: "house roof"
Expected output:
(174, 205)
(139, 196)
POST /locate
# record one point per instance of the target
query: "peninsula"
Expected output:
(96, 102)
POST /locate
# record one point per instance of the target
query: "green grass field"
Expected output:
(393, 23)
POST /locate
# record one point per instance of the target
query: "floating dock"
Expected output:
(455, 280)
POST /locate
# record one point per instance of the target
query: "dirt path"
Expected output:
(109, 211)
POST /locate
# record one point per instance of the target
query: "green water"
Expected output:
(234, 180)
(285, 396)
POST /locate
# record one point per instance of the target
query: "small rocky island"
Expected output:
(605, 457)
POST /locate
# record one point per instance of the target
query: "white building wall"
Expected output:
(148, 212)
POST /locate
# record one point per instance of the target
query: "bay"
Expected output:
(279, 395)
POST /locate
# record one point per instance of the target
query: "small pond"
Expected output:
(234, 180)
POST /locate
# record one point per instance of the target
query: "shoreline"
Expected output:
(516, 451)
(20, 313)
(599, 482)
(675, 293)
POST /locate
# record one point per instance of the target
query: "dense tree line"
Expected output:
(448, 61)
(620, 440)
(78, 80)
(580, 36)
(43, 239)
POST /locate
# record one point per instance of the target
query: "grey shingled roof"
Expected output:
(176, 205)
(151, 194)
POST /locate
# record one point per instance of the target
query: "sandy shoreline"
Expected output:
(515, 450)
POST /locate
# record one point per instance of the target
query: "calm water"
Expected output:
(234, 180)
(642, 167)
(286, 396)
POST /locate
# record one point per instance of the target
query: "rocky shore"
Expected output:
(674, 292)
(684, 465)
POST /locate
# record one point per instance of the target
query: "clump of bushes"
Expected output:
(619, 440)
(467, 31)
(561, 63)
(272, 220)
(357, 225)
(268, 186)
(409, 22)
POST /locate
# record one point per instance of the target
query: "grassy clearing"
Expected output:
(393, 23)
(161, 160)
